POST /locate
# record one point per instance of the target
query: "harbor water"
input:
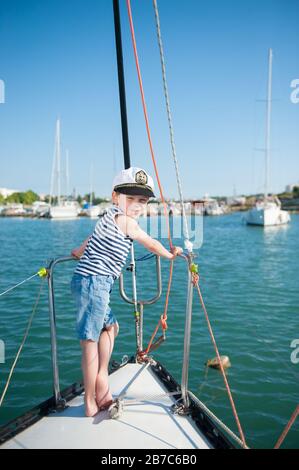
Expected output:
(249, 278)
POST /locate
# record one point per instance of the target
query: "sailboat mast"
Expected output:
(67, 173)
(58, 160)
(90, 183)
(268, 125)
(121, 85)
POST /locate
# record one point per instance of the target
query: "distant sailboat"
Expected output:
(92, 211)
(268, 211)
(65, 208)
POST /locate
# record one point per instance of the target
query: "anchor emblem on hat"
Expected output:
(141, 177)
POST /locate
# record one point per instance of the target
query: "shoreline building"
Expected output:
(5, 192)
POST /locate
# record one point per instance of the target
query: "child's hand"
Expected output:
(175, 251)
(77, 253)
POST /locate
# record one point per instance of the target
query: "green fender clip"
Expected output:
(42, 272)
(194, 268)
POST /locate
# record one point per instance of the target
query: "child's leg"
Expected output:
(105, 348)
(90, 364)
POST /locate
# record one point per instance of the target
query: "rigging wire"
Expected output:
(188, 244)
(163, 318)
(42, 272)
(23, 342)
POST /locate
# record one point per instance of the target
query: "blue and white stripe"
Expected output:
(107, 249)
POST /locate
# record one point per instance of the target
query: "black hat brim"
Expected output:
(135, 190)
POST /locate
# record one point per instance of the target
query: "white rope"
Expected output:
(20, 283)
(188, 244)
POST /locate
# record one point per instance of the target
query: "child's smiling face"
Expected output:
(132, 206)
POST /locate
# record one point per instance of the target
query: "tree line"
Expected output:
(29, 197)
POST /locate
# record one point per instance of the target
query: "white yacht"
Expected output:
(267, 212)
(213, 208)
(92, 211)
(14, 209)
(64, 210)
(40, 208)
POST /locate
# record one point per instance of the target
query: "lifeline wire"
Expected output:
(23, 342)
(41, 273)
(20, 283)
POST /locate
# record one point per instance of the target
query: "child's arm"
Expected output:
(78, 252)
(132, 229)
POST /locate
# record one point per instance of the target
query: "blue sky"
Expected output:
(58, 59)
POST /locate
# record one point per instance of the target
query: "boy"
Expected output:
(102, 257)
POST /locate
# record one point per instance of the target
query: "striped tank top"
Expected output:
(107, 248)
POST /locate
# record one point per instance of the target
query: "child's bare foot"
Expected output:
(91, 407)
(103, 395)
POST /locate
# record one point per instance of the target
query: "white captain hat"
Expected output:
(134, 181)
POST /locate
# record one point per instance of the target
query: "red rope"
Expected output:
(146, 118)
(287, 428)
(221, 366)
(163, 319)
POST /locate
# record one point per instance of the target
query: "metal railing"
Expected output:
(59, 401)
(140, 303)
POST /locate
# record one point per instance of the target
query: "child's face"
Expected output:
(132, 206)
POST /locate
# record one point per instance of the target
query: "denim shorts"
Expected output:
(92, 295)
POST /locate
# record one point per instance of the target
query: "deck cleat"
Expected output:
(116, 409)
(180, 409)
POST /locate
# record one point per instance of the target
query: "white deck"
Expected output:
(143, 425)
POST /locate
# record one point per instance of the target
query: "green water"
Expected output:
(249, 281)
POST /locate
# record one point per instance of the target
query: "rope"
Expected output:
(287, 428)
(195, 276)
(42, 272)
(163, 319)
(22, 344)
(146, 118)
(220, 363)
(218, 421)
(188, 244)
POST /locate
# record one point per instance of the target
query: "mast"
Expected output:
(67, 173)
(268, 125)
(90, 182)
(121, 85)
(58, 160)
(127, 160)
